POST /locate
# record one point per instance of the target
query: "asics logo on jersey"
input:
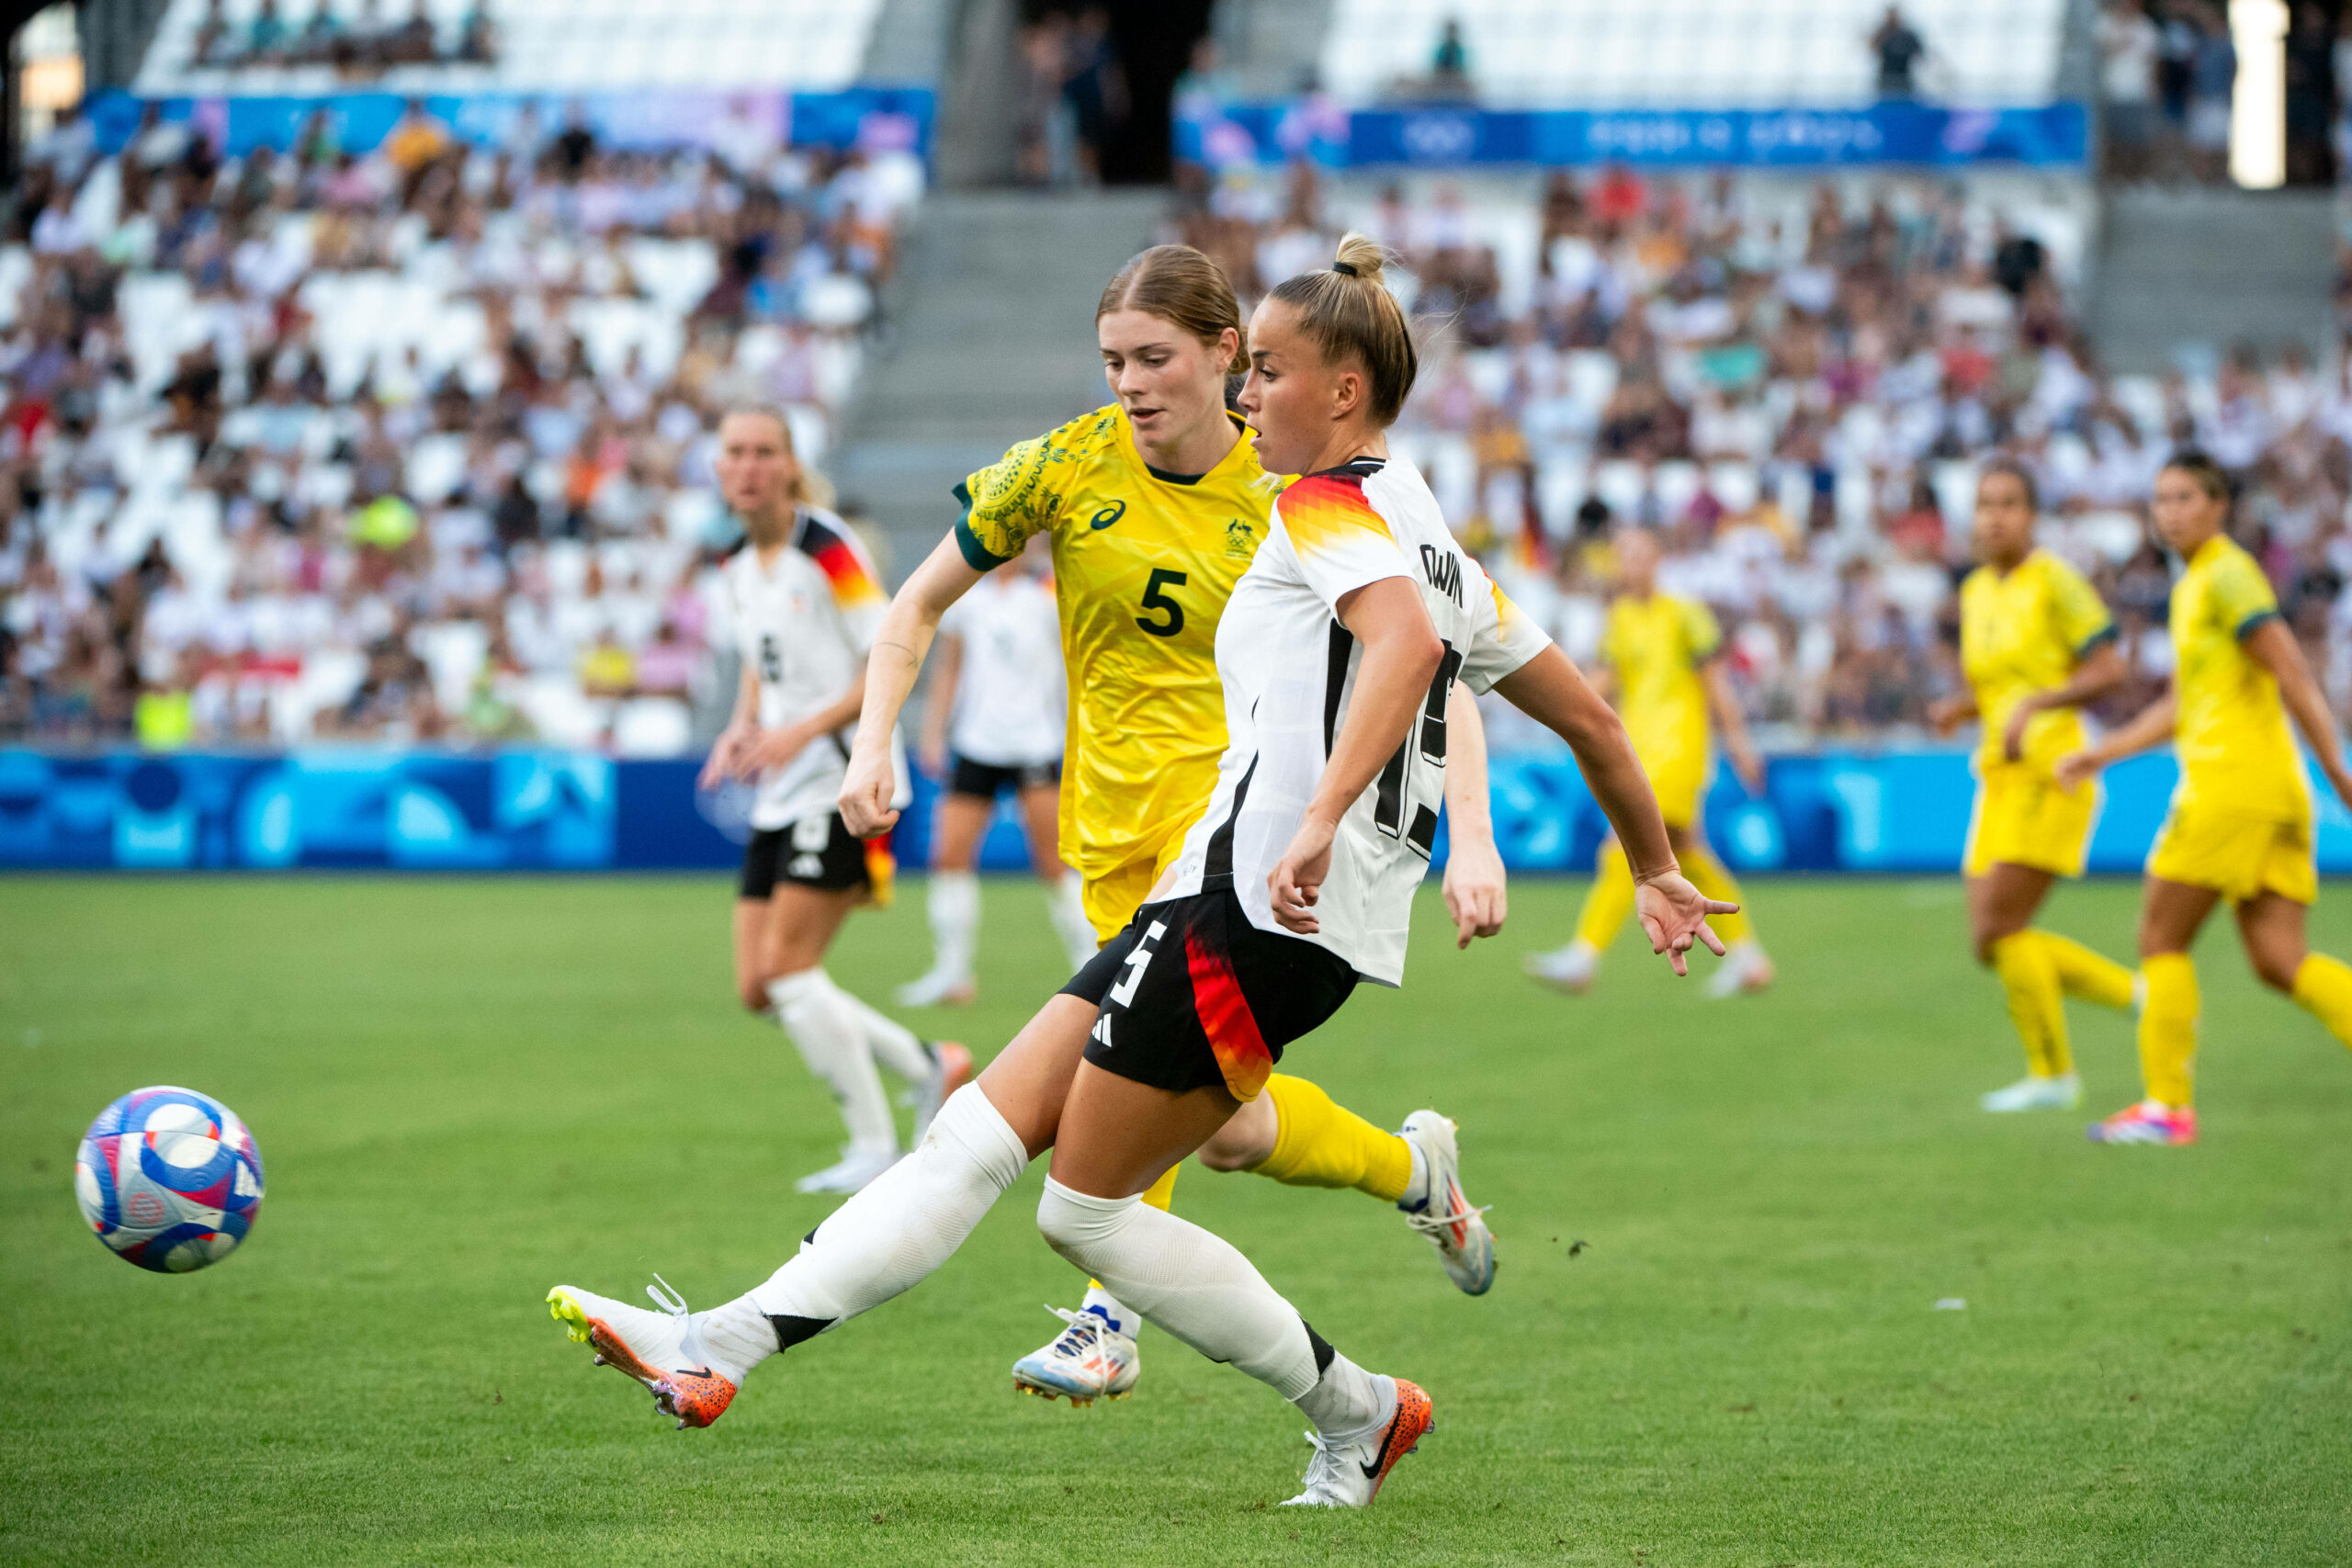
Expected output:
(1107, 516)
(1443, 570)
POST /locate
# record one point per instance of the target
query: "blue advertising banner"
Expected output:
(2051, 135)
(876, 119)
(544, 810)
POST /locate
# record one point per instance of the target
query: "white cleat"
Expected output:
(660, 1349)
(940, 989)
(1570, 968)
(1348, 1474)
(1458, 1231)
(2062, 1093)
(1087, 1361)
(1744, 972)
(850, 1176)
(953, 1071)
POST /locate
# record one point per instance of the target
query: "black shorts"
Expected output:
(1191, 993)
(816, 852)
(987, 781)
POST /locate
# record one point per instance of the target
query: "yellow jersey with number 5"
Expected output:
(1143, 565)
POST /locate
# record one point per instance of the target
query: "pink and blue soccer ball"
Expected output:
(169, 1178)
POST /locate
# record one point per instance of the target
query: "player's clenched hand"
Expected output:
(1475, 893)
(1673, 916)
(866, 789)
(1296, 880)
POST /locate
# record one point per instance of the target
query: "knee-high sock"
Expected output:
(2323, 990)
(889, 1237)
(1200, 1288)
(2168, 1028)
(1714, 878)
(832, 1040)
(894, 1045)
(1609, 900)
(2093, 977)
(954, 904)
(2036, 1004)
(1322, 1144)
(1160, 1195)
(1065, 907)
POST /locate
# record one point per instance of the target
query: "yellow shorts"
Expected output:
(2238, 855)
(1113, 898)
(2022, 818)
(1678, 786)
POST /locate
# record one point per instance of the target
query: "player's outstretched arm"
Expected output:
(900, 643)
(2098, 673)
(1549, 689)
(2273, 646)
(1401, 654)
(2150, 728)
(1476, 892)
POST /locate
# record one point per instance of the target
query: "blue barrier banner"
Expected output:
(876, 119)
(2050, 136)
(1881, 811)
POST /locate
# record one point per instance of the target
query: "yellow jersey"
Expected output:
(1656, 647)
(2024, 632)
(1143, 566)
(2231, 732)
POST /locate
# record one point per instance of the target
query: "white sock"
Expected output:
(894, 1045)
(1346, 1402)
(1185, 1280)
(1416, 1196)
(1106, 1305)
(954, 906)
(892, 1236)
(1065, 903)
(832, 1040)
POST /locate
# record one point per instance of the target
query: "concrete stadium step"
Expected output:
(992, 342)
(2215, 267)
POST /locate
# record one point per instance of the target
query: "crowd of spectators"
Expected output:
(410, 443)
(359, 44)
(1796, 391)
(1073, 96)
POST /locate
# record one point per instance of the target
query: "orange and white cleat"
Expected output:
(2150, 1122)
(660, 1349)
(1348, 1475)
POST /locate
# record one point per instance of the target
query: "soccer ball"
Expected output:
(169, 1178)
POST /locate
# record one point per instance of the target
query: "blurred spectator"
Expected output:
(2128, 45)
(410, 443)
(2212, 82)
(2311, 97)
(1899, 49)
(1450, 64)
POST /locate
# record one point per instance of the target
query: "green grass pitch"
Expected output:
(467, 1092)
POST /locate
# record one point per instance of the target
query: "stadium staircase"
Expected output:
(993, 343)
(2210, 268)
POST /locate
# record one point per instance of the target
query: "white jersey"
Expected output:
(803, 623)
(1289, 671)
(1011, 694)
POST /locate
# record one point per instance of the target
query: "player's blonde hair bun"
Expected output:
(1349, 313)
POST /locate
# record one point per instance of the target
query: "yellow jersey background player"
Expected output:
(1659, 666)
(1155, 506)
(2240, 827)
(2035, 644)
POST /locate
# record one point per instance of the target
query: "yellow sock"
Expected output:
(2093, 977)
(1323, 1143)
(2036, 1004)
(1714, 878)
(1160, 1194)
(2323, 990)
(1608, 902)
(2168, 1028)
